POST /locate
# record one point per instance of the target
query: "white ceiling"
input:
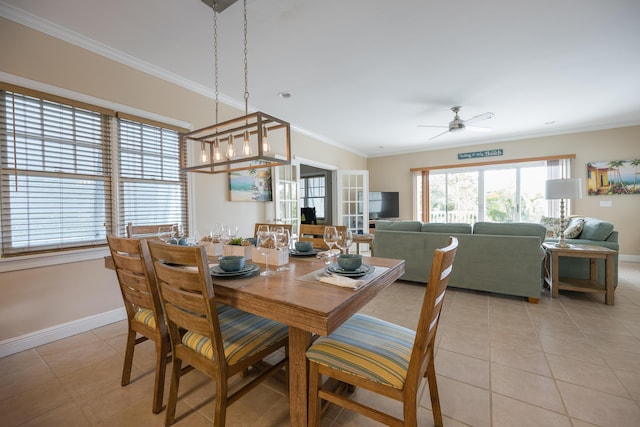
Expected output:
(365, 73)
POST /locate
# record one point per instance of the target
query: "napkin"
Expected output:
(342, 281)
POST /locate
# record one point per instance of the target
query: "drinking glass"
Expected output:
(283, 240)
(165, 233)
(345, 239)
(330, 238)
(264, 243)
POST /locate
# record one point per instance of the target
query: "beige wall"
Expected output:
(35, 299)
(392, 173)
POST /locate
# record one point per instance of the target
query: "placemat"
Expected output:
(315, 276)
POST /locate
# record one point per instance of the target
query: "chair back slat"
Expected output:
(133, 264)
(441, 269)
(147, 230)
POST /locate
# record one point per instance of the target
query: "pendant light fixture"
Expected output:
(266, 140)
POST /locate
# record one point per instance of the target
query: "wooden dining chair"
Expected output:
(144, 310)
(148, 230)
(313, 233)
(218, 340)
(383, 357)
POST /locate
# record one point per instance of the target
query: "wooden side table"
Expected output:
(591, 285)
(363, 238)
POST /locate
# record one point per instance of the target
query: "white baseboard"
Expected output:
(629, 258)
(34, 339)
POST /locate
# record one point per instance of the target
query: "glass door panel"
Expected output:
(500, 195)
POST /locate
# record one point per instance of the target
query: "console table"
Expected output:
(591, 285)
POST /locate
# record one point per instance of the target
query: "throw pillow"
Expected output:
(574, 228)
(552, 225)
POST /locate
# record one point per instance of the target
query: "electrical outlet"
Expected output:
(606, 203)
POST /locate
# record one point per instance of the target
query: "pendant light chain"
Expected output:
(215, 53)
(246, 67)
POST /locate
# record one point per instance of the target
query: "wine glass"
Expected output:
(283, 239)
(345, 239)
(262, 229)
(165, 233)
(330, 238)
(264, 244)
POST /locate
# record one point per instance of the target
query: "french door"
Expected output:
(352, 201)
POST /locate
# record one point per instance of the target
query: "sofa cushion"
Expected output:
(574, 228)
(596, 229)
(399, 225)
(552, 225)
(459, 228)
(510, 229)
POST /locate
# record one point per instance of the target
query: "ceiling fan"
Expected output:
(457, 124)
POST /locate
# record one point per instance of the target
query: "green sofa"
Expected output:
(592, 231)
(504, 258)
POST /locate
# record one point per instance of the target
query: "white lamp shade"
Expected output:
(570, 188)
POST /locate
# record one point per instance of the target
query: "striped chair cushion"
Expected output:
(144, 315)
(243, 335)
(368, 348)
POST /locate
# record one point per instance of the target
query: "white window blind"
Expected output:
(55, 175)
(152, 190)
(57, 187)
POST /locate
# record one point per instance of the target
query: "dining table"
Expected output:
(309, 307)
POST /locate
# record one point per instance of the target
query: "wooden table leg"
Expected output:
(608, 280)
(555, 278)
(299, 341)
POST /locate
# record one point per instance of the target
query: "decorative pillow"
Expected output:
(574, 228)
(552, 225)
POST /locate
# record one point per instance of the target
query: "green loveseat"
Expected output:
(591, 231)
(504, 258)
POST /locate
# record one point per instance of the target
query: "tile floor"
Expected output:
(500, 362)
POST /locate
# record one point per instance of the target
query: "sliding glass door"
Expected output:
(495, 193)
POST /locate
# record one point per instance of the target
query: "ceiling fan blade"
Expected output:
(440, 134)
(427, 126)
(478, 128)
(478, 118)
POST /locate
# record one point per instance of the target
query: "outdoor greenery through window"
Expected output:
(57, 188)
(506, 192)
(313, 194)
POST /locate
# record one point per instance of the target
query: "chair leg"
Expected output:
(128, 357)
(173, 391)
(221, 402)
(410, 407)
(162, 349)
(314, 401)
(433, 390)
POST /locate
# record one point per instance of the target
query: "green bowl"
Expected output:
(231, 263)
(349, 262)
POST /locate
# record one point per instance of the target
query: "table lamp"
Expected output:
(568, 188)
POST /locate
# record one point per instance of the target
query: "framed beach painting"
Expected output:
(613, 177)
(252, 185)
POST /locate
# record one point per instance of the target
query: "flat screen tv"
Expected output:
(384, 204)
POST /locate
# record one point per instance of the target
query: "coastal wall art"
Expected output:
(613, 177)
(252, 185)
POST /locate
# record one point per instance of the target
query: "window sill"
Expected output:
(45, 260)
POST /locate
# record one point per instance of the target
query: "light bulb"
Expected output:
(265, 141)
(217, 155)
(231, 153)
(246, 147)
(203, 152)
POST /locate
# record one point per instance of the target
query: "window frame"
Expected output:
(75, 254)
(564, 166)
